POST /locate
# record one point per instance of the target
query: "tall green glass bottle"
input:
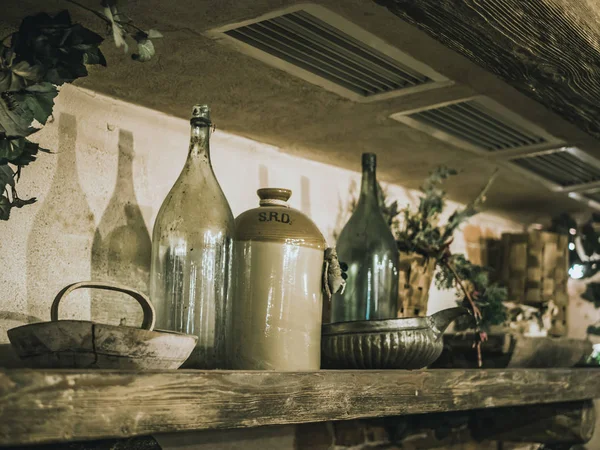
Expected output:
(367, 246)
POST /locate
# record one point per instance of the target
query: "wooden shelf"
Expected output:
(39, 406)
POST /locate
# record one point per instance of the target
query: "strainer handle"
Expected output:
(142, 299)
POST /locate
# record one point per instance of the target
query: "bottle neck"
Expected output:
(368, 187)
(199, 141)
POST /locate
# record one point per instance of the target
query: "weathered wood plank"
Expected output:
(503, 350)
(571, 422)
(547, 49)
(54, 405)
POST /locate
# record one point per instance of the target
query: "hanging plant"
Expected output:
(419, 231)
(42, 55)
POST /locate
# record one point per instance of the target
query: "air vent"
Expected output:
(564, 168)
(473, 123)
(324, 48)
(478, 124)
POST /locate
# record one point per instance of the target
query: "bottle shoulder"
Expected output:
(367, 229)
(193, 207)
(365, 220)
(278, 224)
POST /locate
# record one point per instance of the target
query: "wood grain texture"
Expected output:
(571, 422)
(415, 277)
(542, 352)
(503, 350)
(535, 272)
(133, 443)
(53, 405)
(547, 49)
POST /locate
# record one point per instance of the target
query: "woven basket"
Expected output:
(534, 269)
(416, 275)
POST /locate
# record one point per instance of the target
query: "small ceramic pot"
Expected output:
(277, 287)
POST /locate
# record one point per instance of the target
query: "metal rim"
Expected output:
(374, 326)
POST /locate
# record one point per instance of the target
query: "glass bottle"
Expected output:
(367, 245)
(191, 253)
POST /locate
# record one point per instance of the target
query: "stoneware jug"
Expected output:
(277, 287)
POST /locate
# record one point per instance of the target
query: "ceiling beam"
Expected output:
(547, 49)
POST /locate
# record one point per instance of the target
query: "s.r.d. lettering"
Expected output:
(274, 216)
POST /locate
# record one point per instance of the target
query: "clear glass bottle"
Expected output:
(367, 246)
(191, 253)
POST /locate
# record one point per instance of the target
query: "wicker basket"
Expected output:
(416, 275)
(535, 271)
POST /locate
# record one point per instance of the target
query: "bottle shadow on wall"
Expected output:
(263, 176)
(59, 243)
(121, 251)
(344, 209)
(305, 205)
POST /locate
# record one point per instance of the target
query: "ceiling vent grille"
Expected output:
(302, 39)
(317, 44)
(472, 122)
(563, 168)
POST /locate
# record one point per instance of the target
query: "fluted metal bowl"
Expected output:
(410, 343)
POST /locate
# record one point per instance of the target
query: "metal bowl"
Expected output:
(410, 343)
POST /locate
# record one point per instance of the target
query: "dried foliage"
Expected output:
(420, 231)
(487, 297)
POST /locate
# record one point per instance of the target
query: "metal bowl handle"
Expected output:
(142, 299)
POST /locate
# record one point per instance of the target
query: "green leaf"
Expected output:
(19, 109)
(9, 81)
(27, 71)
(14, 119)
(7, 177)
(62, 18)
(39, 99)
(18, 151)
(28, 154)
(119, 34)
(82, 38)
(19, 202)
(5, 207)
(56, 44)
(11, 148)
(154, 34)
(145, 51)
(94, 56)
(7, 55)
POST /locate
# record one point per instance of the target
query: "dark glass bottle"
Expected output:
(367, 246)
(191, 253)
